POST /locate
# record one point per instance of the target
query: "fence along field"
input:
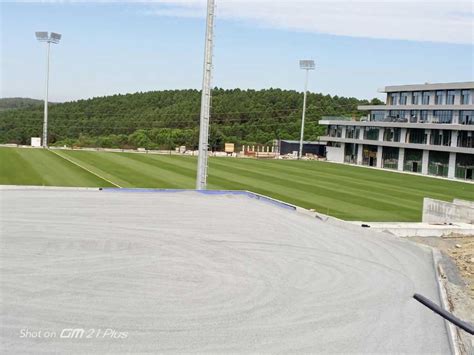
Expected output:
(342, 191)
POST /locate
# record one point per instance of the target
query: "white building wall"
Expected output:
(379, 156)
(454, 138)
(401, 158)
(360, 151)
(335, 154)
(451, 165)
(424, 162)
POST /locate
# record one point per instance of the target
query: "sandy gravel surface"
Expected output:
(186, 272)
(457, 272)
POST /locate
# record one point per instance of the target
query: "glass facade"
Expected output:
(440, 137)
(393, 98)
(416, 98)
(410, 121)
(414, 114)
(465, 97)
(416, 136)
(438, 163)
(466, 139)
(439, 97)
(464, 166)
(413, 160)
(352, 132)
(392, 134)
(403, 98)
(423, 116)
(450, 97)
(390, 157)
(466, 117)
(426, 98)
(335, 131)
(397, 116)
(377, 115)
(369, 155)
(371, 133)
(350, 153)
(442, 116)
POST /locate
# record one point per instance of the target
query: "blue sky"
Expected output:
(121, 47)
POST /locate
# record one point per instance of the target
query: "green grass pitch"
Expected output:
(342, 191)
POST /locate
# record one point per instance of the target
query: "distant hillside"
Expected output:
(12, 103)
(165, 119)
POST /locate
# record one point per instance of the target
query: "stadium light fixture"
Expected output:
(307, 65)
(201, 178)
(47, 38)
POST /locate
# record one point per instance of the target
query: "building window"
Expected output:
(415, 99)
(369, 155)
(414, 114)
(335, 131)
(397, 116)
(423, 116)
(426, 98)
(377, 115)
(390, 158)
(464, 166)
(403, 98)
(442, 116)
(391, 134)
(416, 135)
(438, 163)
(413, 160)
(440, 137)
(466, 117)
(352, 132)
(439, 97)
(465, 97)
(466, 139)
(350, 153)
(371, 133)
(450, 97)
(393, 99)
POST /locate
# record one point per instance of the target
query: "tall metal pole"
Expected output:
(45, 122)
(201, 178)
(300, 155)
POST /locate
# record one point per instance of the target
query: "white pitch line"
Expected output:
(82, 167)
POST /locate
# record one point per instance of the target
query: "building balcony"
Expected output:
(439, 148)
(425, 125)
(414, 107)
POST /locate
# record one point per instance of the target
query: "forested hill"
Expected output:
(165, 119)
(13, 103)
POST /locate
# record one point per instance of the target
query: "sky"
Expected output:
(124, 47)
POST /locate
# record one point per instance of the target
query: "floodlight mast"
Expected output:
(48, 39)
(201, 178)
(305, 65)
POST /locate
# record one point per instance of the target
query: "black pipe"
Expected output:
(445, 314)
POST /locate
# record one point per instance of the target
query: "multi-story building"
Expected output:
(426, 129)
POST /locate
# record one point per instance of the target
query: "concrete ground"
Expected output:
(187, 272)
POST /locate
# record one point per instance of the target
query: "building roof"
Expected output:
(429, 86)
(208, 271)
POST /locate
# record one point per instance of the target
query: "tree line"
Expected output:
(170, 118)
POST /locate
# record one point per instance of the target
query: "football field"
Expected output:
(346, 192)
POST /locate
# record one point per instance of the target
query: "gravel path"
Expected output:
(187, 272)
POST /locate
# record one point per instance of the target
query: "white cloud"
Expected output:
(448, 21)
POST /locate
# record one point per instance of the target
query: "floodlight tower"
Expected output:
(201, 178)
(305, 65)
(48, 39)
